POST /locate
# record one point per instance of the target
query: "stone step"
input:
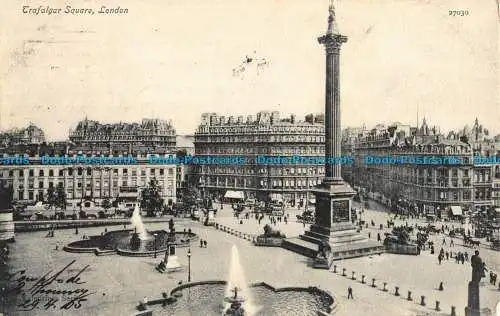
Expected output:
(333, 240)
(312, 239)
(300, 246)
(348, 254)
(333, 234)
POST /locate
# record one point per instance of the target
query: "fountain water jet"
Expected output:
(237, 284)
(139, 226)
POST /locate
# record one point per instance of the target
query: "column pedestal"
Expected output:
(332, 225)
(473, 306)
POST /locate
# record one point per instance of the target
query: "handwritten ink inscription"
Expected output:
(53, 290)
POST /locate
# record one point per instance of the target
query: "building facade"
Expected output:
(148, 136)
(430, 187)
(264, 135)
(120, 179)
(24, 136)
(86, 183)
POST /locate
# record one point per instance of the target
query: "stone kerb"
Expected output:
(331, 299)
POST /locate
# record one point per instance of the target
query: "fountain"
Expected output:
(235, 298)
(238, 305)
(139, 226)
(141, 244)
(236, 302)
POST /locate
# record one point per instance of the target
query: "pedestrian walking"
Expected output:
(349, 293)
(451, 243)
(205, 243)
(444, 241)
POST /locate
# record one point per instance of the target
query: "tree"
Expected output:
(151, 198)
(60, 197)
(191, 195)
(106, 204)
(6, 196)
(51, 197)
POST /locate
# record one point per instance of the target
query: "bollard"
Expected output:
(385, 289)
(453, 312)
(363, 279)
(441, 286)
(396, 293)
(334, 268)
(409, 296)
(343, 271)
(437, 306)
(373, 282)
(422, 300)
(353, 277)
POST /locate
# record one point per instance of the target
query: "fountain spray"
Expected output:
(138, 224)
(237, 290)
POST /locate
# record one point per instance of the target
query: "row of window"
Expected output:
(238, 182)
(264, 138)
(89, 172)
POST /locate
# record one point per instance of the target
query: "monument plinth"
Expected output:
(332, 236)
(473, 303)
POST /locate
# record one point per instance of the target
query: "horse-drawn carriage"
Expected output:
(469, 242)
(457, 232)
(307, 217)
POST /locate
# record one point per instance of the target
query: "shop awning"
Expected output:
(456, 210)
(235, 195)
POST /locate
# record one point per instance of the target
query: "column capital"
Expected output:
(332, 39)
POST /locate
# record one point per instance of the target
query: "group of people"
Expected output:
(203, 243)
(460, 257)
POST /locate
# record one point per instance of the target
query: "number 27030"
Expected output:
(458, 12)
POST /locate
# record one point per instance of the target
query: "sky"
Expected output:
(173, 59)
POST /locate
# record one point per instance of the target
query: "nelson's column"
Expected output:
(332, 236)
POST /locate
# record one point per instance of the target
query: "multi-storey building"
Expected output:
(486, 174)
(118, 179)
(265, 135)
(24, 136)
(149, 136)
(89, 184)
(433, 186)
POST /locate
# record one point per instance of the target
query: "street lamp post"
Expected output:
(155, 234)
(189, 264)
(167, 252)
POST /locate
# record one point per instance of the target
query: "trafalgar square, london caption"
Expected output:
(70, 10)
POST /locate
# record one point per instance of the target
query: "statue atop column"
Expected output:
(477, 267)
(332, 23)
(473, 304)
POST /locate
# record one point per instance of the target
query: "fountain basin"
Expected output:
(119, 242)
(206, 297)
